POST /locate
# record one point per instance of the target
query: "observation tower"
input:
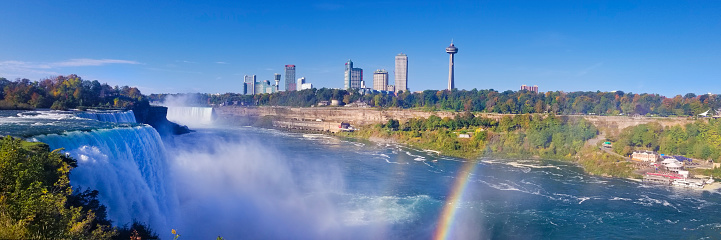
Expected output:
(452, 50)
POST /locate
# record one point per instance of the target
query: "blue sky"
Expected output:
(665, 47)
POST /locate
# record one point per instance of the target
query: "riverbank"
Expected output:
(568, 138)
(591, 159)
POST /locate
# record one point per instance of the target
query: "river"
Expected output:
(244, 182)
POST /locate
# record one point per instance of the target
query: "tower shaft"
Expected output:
(451, 84)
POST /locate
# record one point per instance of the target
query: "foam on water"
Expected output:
(364, 210)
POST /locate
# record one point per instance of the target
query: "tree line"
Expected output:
(65, 92)
(490, 101)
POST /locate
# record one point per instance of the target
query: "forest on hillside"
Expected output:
(65, 92)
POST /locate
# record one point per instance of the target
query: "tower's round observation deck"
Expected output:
(451, 49)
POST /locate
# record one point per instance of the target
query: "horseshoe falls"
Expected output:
(191, 116)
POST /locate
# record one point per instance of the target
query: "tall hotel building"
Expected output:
(290, 78)
(380, 80)
(401, 74)
(353, 76)
(249, 82)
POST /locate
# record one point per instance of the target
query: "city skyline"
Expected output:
(641, 47)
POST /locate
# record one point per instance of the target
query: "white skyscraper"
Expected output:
(380, 80)
(401, 74)
(249, 81)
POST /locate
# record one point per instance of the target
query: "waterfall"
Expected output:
(191, 116)
(127, 165)
(116, 117)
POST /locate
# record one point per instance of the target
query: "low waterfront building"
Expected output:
(305, 86)
(644, 156)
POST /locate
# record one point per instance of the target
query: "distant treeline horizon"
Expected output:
(71, 91)
(490, 101)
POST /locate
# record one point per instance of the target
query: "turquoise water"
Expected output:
(264, 184)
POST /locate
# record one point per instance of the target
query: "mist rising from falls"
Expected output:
(116, 117)
(222, 182)
(235, 185)
(127, 166)
(191, 116)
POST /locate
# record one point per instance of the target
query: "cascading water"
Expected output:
(191, 116)
(127, 165)
(116, 117)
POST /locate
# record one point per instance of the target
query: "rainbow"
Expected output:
(449, 209)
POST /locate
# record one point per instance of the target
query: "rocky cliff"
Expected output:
(155, 116)
(363, 116)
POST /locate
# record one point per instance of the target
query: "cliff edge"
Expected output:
(155, 116)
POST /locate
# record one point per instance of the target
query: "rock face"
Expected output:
(155, 116)
(363, 116)
(354, 116)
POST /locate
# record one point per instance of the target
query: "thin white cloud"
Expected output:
(221, 62)
(83, 62)
(171, 70)
(19, 69)
(12, 68)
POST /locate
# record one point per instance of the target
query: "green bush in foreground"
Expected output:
(37, 201)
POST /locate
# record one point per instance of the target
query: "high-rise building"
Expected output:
(533, 88)
(401, 74)
(380, 80)
(265, 86)
(290, 78)
(252, 86)
(353, 76)
(249, 82)
(452, 50)
(277, 82)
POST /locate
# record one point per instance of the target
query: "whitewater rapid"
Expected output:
(115, 117)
